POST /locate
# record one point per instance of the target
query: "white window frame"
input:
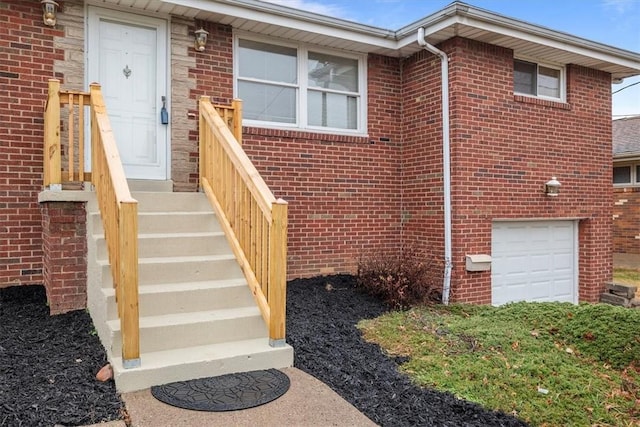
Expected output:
(634, 177)
(562, 82)
(302, 86)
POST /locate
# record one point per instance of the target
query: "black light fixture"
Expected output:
(552, 187)
(49, 11)
(201, 39)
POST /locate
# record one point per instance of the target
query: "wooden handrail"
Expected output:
(254, 222)
(119, 211)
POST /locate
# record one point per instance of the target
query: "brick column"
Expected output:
(65, 255)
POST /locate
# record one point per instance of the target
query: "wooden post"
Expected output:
(94, 90)
(202, 135)
(52, 154)
(277, 297)
(128, 251)
(237, 120)
(70, 136)
(81, 167)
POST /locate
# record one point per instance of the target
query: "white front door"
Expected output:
(127, 56)
(534, 261)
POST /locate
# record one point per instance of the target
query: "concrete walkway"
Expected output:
(309, 402)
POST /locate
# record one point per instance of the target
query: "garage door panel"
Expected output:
(533, 261)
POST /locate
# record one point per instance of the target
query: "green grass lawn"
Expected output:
(551, 364)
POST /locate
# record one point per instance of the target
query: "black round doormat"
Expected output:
(229, 392)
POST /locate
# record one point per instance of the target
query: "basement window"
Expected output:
(291, 85)
(533, 79)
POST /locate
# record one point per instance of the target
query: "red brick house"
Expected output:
(344, 122)
(626, 187)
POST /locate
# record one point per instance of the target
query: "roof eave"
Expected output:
(438, 26)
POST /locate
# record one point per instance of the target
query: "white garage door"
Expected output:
(533, 261)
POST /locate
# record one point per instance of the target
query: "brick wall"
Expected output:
(212, 74)
(626, 220)
(28, 55)
(504, 147)
(343, 191)
(347, 195)
(65, 251)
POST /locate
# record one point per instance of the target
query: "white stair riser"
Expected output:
(167, 337)
(186, 301)
(151, 246)
(180, 271)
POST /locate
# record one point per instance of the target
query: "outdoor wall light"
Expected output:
(201, 39)
(552, 187)
(49, 10)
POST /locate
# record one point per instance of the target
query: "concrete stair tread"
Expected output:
(174, 319)
(170, 234)
(166, 366)
(181, 234)
(184, 286)
(177, 259)
(155, 359)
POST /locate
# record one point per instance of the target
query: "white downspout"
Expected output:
(446, 162)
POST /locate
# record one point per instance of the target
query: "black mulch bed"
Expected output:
(321, 318)
(48, 364)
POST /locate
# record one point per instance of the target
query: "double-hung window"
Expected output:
(295, 86)
(545, 81)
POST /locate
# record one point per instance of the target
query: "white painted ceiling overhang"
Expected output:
(458, 19)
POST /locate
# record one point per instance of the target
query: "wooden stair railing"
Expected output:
(119, 211)
(253, 220)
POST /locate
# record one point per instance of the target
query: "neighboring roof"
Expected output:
(457, 19)
(626, 137)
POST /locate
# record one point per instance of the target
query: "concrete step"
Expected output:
(163, 222)
(154, 271)
(171, 244)
(171, 202)
(185, 297)
(150, 185)
(180, 330)
(201, 361)
(197, 314)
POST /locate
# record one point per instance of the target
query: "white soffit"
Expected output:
(457, 19)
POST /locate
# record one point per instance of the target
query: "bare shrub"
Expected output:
(408, 278)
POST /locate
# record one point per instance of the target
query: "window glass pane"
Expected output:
(332, 110)
(622, 175)
(267, 102)
(333, 72)
(638, 173)
(267, 62)
(548, 82)
(524, 77)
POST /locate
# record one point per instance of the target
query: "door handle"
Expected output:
(164, 115)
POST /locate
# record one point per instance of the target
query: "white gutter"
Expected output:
(446, 162)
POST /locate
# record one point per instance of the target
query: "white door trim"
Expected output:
(162, 26)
